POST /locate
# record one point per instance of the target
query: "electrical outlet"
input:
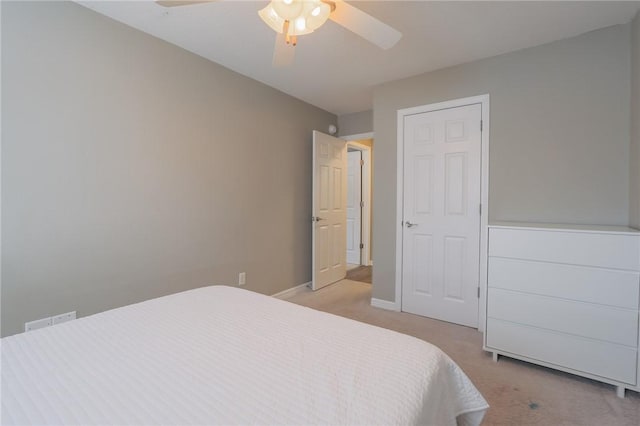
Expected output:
(242, 278)
(63, 318)
(34, 325)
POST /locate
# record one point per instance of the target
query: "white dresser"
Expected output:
(566, 297)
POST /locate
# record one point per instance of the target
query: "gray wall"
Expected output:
(634, 157)
(559, 149)
(355, 123)
(133, 169)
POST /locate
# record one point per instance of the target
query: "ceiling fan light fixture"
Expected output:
(305, 15)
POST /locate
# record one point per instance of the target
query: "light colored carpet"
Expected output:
(360, 273)
(519, 393)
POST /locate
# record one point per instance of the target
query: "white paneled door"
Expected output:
(329, 220)
(441, 214)
(354, 206)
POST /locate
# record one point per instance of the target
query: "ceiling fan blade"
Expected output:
(283, 53)
(174, 3)
(365, 25)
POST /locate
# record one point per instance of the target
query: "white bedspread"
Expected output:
(220, 355)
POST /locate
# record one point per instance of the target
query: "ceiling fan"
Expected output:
(293, 18)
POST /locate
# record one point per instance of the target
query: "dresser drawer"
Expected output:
(603, 359)
(616, 251)
(595, 285)
(614, 325)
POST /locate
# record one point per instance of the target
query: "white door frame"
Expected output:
(365, 253)
(365, 219)
(354, 169)
(483, 100)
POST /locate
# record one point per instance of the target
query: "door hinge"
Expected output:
(478, 292)
(361, 204)
(361, 162)
(480, 209)
(481, 125)
(361, 245)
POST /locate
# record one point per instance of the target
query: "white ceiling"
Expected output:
(336, 70)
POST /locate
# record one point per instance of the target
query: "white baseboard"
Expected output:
(290, 292)
(384, 304)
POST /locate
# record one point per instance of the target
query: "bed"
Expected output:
(222, 355)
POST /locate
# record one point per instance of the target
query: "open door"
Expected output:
(329, 220)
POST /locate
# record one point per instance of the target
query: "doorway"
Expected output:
(359, 174)
(358, 243)
(329, 208)
(354, 207)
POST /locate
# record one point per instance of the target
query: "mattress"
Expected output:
(222, 355)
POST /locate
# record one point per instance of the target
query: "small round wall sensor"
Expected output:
(332, 129)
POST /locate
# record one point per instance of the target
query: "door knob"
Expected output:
(409, 224)
(316, 218)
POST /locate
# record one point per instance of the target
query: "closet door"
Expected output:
(441, 234)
